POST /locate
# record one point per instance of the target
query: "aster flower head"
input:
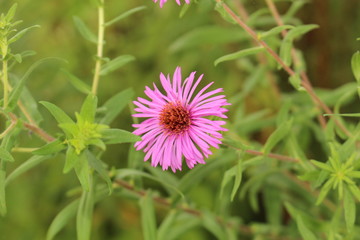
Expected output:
(164, 1)
(177, 125)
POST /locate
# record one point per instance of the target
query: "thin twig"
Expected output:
(291, 72)
(40, 132)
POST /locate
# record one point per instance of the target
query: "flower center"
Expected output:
(175, 118)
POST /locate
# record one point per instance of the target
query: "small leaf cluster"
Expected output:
(80, 136)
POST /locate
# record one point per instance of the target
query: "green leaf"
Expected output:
(279, 134)
(88, 108)
(349, 210)
(324, 191)
(273, 205)
(115, 64)
(355, 65)
(304, 230)
(124, 15)
(5, 155)
(114, 136)
(238, 178)
(31, 105)
(21, 33)
(207, 35)
(50, 148)
(124, 172)
(99, 167)
(83, 171)
(84, 213)
(166, 226)
(239, 54)
(322, 165)
(2, 191)
(212, 225)
(27, 165)
(115, 105)
(184, 9)
(148, 220)
(16, 92)
(61, 219)
(84, 30)
(77, 83)
(11, 13)
(285, 49)
(59, 115)
(344, 114)
(226, 16)
(71, 159)
(295, 81)
(274, 31)
(354, 190)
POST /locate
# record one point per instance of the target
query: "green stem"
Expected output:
(100, 44)
(6, 83)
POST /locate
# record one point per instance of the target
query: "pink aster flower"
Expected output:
(164, 1)
(177, 124)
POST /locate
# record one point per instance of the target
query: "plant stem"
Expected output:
(6, 83)
(291, 72)
(100, 44)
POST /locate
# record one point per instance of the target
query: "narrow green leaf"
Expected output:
(344, 114)
(349, 210)
(83, 172)
(85, 212)
(5, 155)
(148, 219)
(31, 105)
(88, 108)
(355, 65)
(279, 134)
(228, 175)
(59, 115)
(61, 219)
(114, 136)
(21, 33)
(273, 205)
(84, 30)
(116, 63)
(96, 164)
(77, 83)
(125, 15)
(115, 105)
(2, 190)
(207, 35)
(166, 226)
(212, 225)
(16, 92)
(184, 9)
(285, 48)
(274, 31)
(226, 16)
(295, 81)
(238, 178)
(354, 190)
(11, 13)
(71, 159)
(124, 172)
(304, 230)
(324, 191)
(27, 165)
(239, 54)
(322, 165)
(50, 148)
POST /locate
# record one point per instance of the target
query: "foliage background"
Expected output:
(152, 36)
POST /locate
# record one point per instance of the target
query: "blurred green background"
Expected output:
(158, 39)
